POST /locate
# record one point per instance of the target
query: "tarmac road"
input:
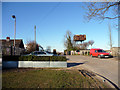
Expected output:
(107, 67)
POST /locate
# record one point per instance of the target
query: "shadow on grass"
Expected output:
(73, 64)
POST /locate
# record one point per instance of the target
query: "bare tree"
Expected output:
(68, 41)
(32, 46)
(91, 42)
(85, 45)
(102, 10)
(82, 46)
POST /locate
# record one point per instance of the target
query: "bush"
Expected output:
(41, 58)
(89, 53)
(25, 58)
(10, 58)
(34, 58)
(58, 58)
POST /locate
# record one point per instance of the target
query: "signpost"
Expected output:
(79, 37)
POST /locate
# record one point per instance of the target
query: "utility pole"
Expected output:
(35, 36)
(110, 36)
(14, 17)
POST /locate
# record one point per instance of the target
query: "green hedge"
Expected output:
(10, 58)
(58, 58)
(34, 58)
(25, 58)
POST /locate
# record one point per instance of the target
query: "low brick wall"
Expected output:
(33, 64)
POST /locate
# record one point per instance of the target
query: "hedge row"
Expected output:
(34, 58)
(10, 58)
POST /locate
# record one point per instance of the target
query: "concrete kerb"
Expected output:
(110, 83)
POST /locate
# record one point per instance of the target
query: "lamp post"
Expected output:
(35, 37)
(13, 16)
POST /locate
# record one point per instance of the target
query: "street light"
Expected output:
(35, 37)
(13, 16)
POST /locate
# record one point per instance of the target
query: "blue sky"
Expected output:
(52, 20)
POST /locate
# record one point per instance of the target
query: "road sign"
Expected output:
(79, 37)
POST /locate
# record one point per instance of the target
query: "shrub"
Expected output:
(41, 58)
(10, 58)
(25, 58)
(88, 53)
(34, 58)
(58, 58)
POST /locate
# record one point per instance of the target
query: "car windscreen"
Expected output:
(101, 51)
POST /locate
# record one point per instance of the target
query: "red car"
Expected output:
(99, 53)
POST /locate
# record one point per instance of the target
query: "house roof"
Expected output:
(18, 43)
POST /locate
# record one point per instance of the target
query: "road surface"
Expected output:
(107, 67)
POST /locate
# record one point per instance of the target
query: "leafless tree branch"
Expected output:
(100, 10)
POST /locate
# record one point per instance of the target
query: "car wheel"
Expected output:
(91, 55)
(99, 56)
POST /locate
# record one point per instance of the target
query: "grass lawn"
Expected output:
(47, 78)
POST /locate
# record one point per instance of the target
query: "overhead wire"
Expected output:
(51, 11)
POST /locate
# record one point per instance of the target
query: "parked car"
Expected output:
(99, 53)
(40, 53)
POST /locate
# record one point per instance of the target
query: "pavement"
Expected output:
(107, 67)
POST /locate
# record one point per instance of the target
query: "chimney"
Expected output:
(8, 39)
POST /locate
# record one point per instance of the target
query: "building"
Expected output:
(7, 46)
(115, 51)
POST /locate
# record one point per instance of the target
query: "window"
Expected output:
(101, 51)
(41, 53)
(78, 51)
(35, 53)
(95, 50)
